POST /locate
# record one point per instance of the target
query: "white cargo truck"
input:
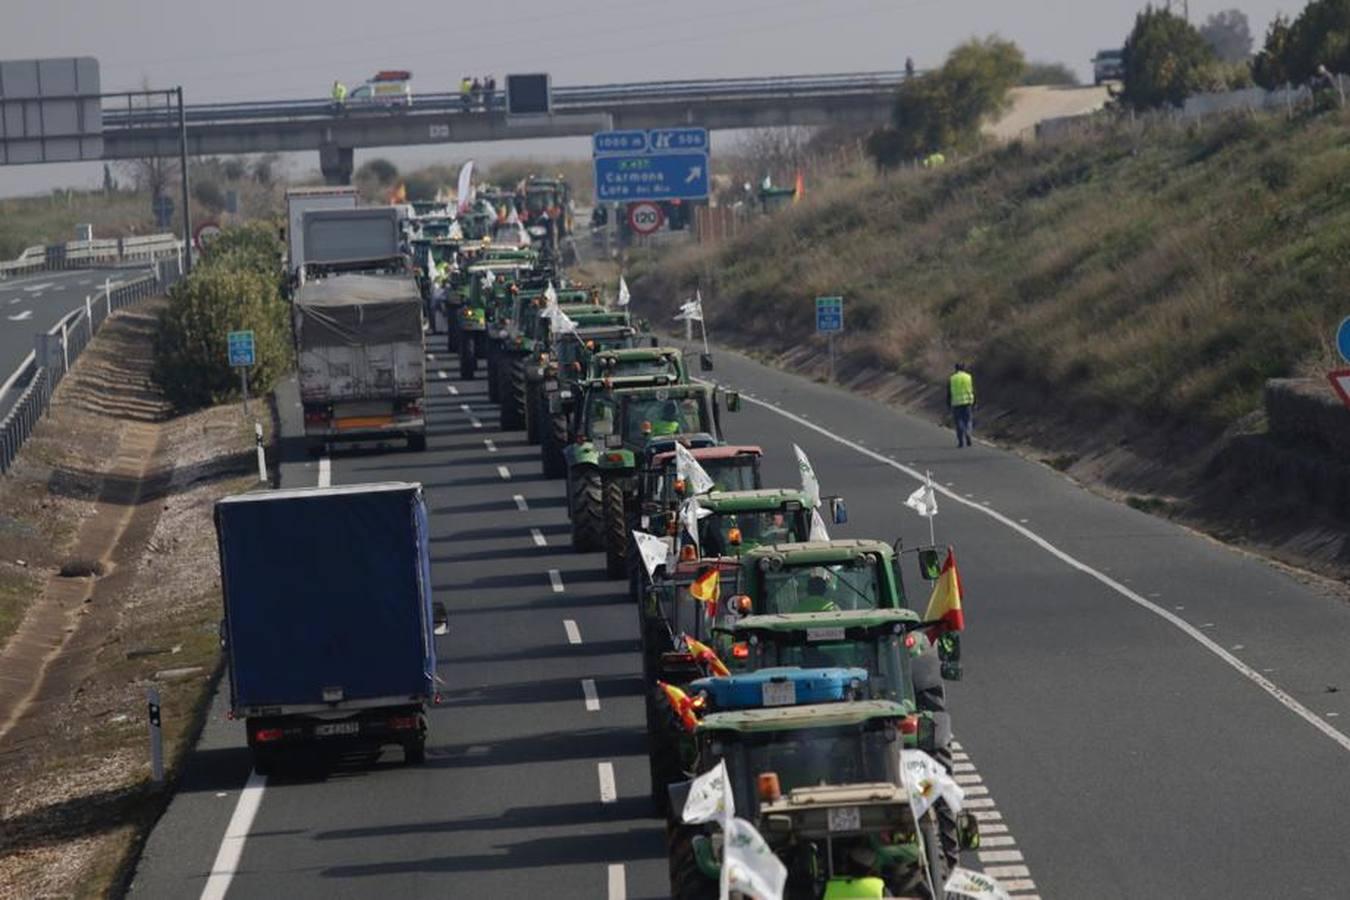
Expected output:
(302, 200)
(358, 341)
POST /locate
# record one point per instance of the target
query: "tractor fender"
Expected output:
(582, 455)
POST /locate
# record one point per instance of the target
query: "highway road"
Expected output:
(30, 304)
(1156, 715)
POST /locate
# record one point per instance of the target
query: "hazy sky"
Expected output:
(275, 49)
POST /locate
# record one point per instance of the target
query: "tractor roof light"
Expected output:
(688, 553)
(734, 537)
(768, 786)
(741, 605)
(680, 486)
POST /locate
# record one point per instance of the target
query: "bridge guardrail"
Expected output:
(62, 346)
(101, 251)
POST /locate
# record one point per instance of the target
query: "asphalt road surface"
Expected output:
(1157, 715)
(30, 304)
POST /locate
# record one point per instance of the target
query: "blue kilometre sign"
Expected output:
(656, 164)
(241, 348)
(829, 315)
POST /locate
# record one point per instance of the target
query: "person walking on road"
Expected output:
(961, 399)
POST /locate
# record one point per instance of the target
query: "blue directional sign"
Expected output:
(662, 140)
(829, 315)
(241, 348)
(651, 176)
(1343, 339)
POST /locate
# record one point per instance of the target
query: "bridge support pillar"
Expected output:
(335, 163)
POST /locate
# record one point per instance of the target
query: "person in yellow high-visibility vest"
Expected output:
(961, 399)
(339, 94)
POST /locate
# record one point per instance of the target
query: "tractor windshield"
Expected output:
(730, 473)
(600, 417)
(626, 367)
(672, 415)
(827, 587)
(814, 756)
(757, 528)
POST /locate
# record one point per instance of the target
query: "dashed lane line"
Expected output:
(504, 472)
(538, 537)
(618, 882)
(441, 374)
(491, 447)
(573, 632)
(998, 854)
(454, 391)
(1251, 674)
(325, 472)
(520, 502)
(555, 579)
(588, 693)
(608, 792)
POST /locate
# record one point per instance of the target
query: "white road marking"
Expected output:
(588, 691)
(504, 472)
(995, 840)
(454, 391)
(963, 767)
(325, 472)
(475, 422)
(491, 447)
(993, 828)
(1275, 691)
(520, 502)
(441, 374)
(979, 803)
(15, 300)
(467, 408)
(987, 815)
(977, 790)
(33, 289)
(20, 317)
(608, 792)
(1001, 872)
(618, 882)
(1000, 856)
(555, 579)
(538, 537)
(573, 632)
(967, 777)
(431, 356)
(232, 845)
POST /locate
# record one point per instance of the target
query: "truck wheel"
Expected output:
(468, 358)
(555, 439)
(687, 881)
(930, 695)
(588, 519)
(664, 763)
(415, 752)
(616, 531)
(417, 443)
(534, 433)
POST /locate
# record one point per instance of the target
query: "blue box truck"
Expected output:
(329, 628)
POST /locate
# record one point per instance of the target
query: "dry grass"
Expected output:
(1168, 273)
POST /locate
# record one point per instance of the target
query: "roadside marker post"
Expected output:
(262, 457)
(156, 736)
(829, 322)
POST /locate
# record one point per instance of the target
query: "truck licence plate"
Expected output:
(779, 693)
(336, 728)
(843, 818)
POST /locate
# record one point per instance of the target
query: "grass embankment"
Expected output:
(1165, 272)
(51, 219)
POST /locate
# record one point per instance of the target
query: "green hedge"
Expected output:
(235, 287)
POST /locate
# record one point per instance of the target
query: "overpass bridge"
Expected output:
(302, 125)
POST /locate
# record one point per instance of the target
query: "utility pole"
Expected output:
(183, 165)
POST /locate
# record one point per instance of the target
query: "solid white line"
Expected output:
(1000, 856)
(232, 844)
(608, 792)
(618, 883)
(504, 472)
(588, 691)
(555, 578)
(520, 502)
(538, 536)
(1168, 616)
(491, 447)
(325, 472)
(573, 632)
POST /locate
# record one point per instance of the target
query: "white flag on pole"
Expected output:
(923, 501)
(464, 191)
(489, 278)
(563, 323)
(976, 885)
(749, 865)
(690, 513)
(818, 532)
(926, 781)
(456, 233)
(550, 295)
(513, 217)
(696, 478)
(709, 797)
(652, 550)
(624, 296)
(692, 310)
(810, 486)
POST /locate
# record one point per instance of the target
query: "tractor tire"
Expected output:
(511, 418)
(935, 857)
(930, 695)
(493, 377)
(468, 357)
(555, 439)
(415, 752)
(664, 764)
(687, 882)
(616, 531)
(588, 517)
(534, 431)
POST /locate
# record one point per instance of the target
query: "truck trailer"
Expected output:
(329, 625)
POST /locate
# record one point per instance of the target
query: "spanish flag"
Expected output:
(704, 654)
(945, 603)
(707, 587)
(685, 707)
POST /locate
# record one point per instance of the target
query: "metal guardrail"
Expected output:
(577, 99)
(60, 347)
(104, 251)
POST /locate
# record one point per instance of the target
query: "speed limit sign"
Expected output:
(645, 217)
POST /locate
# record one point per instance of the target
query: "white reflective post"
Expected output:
(156, 735)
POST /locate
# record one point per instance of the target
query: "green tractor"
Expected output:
(469, 329)
(525, 351)
(822, 784)
(614, 423)
(534, 372)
